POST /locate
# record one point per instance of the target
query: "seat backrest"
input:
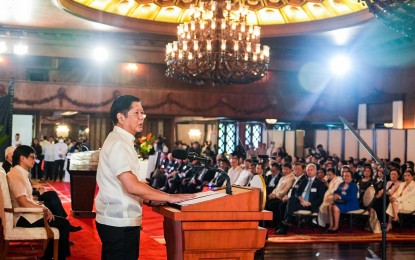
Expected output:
(369, 197)
(7, 217)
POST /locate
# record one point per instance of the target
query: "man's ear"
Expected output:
(120, 118)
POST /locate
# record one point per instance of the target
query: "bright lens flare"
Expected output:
(340, 65)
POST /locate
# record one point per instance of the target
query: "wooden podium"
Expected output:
(218, 228)
(83, 185)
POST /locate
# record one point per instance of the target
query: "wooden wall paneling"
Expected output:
(398, 144)
(351, 146)
(335, 142)
(99, 128)
(382, 143)
(93, 133)
(321, 138)
(290, 142)
(410, 147)
(299, 143)
(367, 136)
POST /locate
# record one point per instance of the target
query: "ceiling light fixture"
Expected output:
(271, 121)
(217, 46)
(398, 15)
(195, 134)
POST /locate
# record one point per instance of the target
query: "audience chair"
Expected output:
(368, 199)
(13, 234)
(306, 215)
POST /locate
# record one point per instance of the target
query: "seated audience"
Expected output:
(273, 178)
(235, 170)
(7, 164)
(219, 179)
(299, 177)
(275, 197)
(365, 182)
(258, 180)
(309, 196)
(333, 183)
(391, 187)
(246, 174)
(344, 200)
(321, 175)
(403, 200)
(21, 195)
(49, 198)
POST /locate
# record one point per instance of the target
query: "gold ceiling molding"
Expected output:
(276, 17)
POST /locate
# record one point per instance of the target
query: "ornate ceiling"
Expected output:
(161, 16)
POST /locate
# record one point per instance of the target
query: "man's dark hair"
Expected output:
(302, 165)
(287, 165)
(276, 165)
(21, 150)
(121, 104)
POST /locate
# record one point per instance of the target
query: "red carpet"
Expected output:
(87, 242)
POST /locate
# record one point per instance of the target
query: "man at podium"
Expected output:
(121, 193)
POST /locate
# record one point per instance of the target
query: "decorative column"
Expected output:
(362, 117)
(397, 114)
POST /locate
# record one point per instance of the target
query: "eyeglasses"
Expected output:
(32, 156)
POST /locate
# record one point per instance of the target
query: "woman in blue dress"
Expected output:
(345, 199)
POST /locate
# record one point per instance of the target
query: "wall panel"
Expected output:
(367, 136)
(397, 144)
(335, 144)
(321, 138)
(277, 136)
(382, 143)
(290, 142)
(351, 146)
(410, 147)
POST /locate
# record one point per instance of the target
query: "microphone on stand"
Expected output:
(182, 154)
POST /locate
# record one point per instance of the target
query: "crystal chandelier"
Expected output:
(397, 14)
(217, 46)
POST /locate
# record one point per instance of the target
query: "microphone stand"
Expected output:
(384, 224)
(221, 172)
(228, 180)
(385, 172)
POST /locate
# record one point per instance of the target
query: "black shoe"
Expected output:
(322, 229)
(331, 231)
(281, 231)
(74, 229)
(287, 222)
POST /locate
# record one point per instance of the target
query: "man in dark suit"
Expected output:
(309, 196)
(272, 180)
(299, 172)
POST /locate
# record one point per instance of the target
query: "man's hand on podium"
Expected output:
(175, 198)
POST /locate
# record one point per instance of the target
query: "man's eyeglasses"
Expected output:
(32, 156)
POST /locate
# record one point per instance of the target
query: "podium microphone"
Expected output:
(182, 155)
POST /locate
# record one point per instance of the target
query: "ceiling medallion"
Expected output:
(217, 46)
